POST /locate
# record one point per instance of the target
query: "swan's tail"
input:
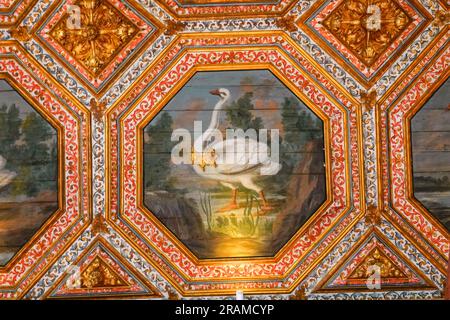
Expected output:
(270, 168)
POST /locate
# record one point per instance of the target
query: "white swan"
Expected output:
(6, 176)
(246, 166)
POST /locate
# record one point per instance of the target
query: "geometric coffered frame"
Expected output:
(353, 273)
(70, 119)
(328, 22)
(116, 33)
(397, 108)
(101, 272)
(425, 145)
(406, 271)
(11, 11)
(127, 119)
(222, 9)
(45, 126)
(410, 228)
(399, 168)
(145, 171)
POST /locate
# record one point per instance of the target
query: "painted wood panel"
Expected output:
(28, 171)
(431, 154)
(233, 210)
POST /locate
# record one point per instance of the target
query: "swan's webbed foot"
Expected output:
(229, 207)
(266, 206)
(265, 209)
(233, 205)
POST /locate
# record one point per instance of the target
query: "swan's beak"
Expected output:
(215, 92)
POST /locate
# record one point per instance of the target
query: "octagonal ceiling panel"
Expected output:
(327, 52)
(129, 118)
(400, 168)
(35, 147)
(248, 206)
(431, 154)
(28, 171)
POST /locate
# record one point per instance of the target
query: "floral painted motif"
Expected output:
(102, 32)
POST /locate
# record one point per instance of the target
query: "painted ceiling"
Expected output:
(368, 70)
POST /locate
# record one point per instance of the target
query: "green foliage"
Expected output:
(205, 202)
(222, 222)
(239, 113)
(248, 224)
(157, 152)
(299, 128)
(10, 123)
(28, 147)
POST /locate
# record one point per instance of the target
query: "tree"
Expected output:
(239, 114)
(299, 128)
(157, 152)
(10, 123)
(34, 160)
(295, 124)
(289, 120)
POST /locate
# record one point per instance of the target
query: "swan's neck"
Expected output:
(213, 124)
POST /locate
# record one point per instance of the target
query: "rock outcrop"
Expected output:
(177, 214)
(305, 193)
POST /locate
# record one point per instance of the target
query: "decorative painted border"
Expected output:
(58, 231)
(130, 207)
(398, 152)
(412, 233)
(11, 11)
(146, 34)
(310, 24)
(223, 10)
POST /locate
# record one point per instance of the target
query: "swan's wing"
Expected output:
(230, 169)
(244, 158)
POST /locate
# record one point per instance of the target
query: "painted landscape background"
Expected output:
(431, 154)
(28, 143)
(188, 204)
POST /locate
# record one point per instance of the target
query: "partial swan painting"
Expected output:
(430, 137)
(28, 171)
(6, 176)
(251, 170)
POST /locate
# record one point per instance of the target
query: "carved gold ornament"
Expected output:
(300, 294)
(173, 27)
(99, 275)
(99, 225)
(367, 27)
(100, 34)
(373, 215)
(287, 23)
(368, 100)
(20, 33)
(97, 109)
(442, 18)
(387, 268)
